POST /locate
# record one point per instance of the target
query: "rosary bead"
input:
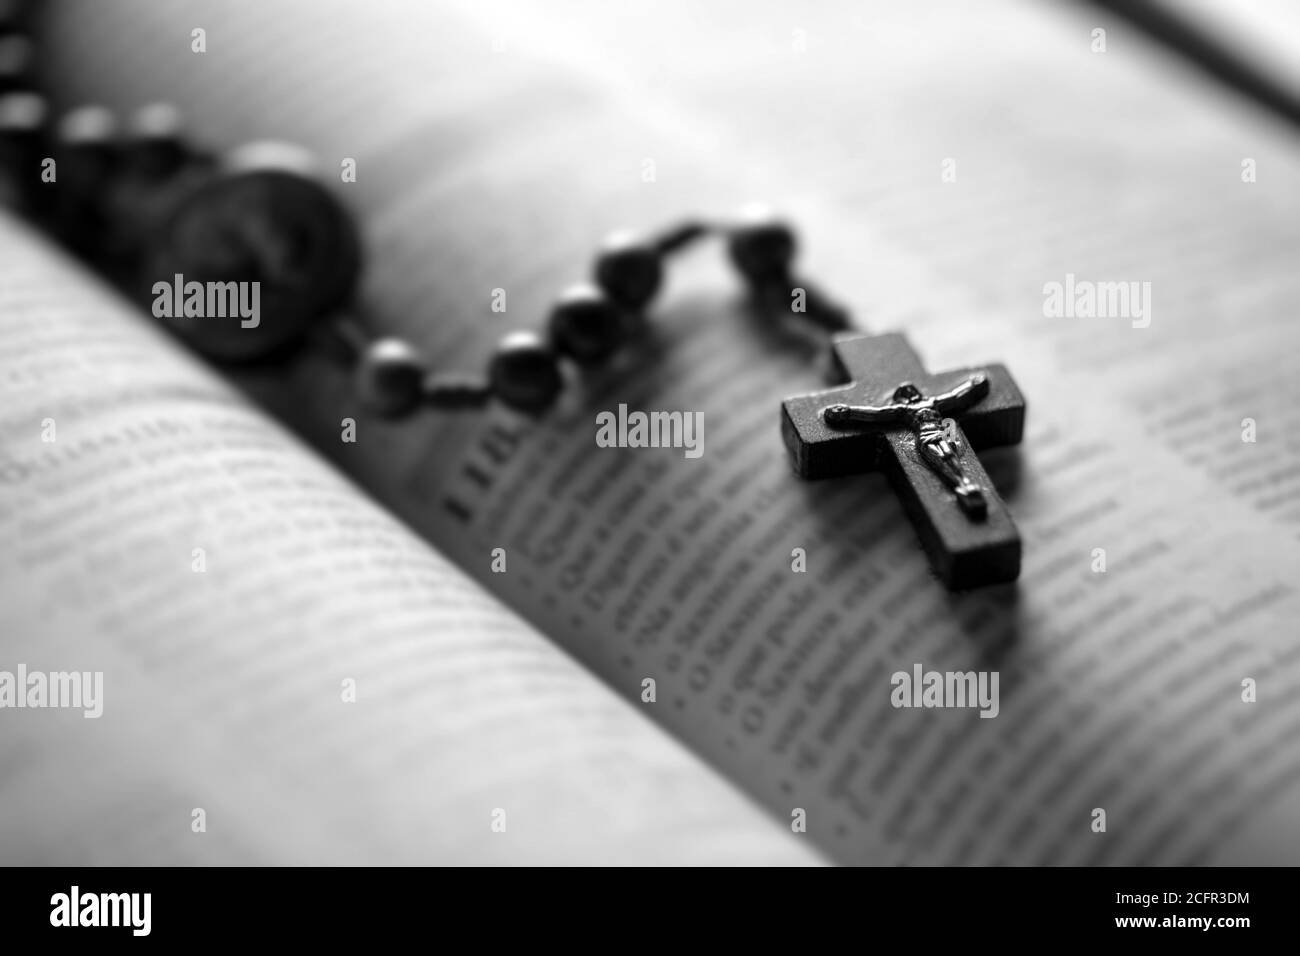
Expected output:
(15, 63)
(13, 15)
(586, 326)
(90, 128)
(390, 377)
(155, 142)
(22, 133)
(86, 149)
(629, 270)
(762, 247)
(22, 118)
(524, 372)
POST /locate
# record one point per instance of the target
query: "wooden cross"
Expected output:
(923, 430)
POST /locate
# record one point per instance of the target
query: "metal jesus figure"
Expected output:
(925, 416)
(923, 430)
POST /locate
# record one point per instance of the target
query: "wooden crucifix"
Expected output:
(923, 431)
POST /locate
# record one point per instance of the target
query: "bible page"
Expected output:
(255, 663)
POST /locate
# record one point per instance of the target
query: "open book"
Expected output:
(495, 143)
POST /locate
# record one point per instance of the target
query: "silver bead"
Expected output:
(762, 246)
(524, 372)
(390, 377)
(629, 270)
(586, 326)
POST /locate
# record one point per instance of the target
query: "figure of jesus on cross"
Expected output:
(925, 417)
(923, 431)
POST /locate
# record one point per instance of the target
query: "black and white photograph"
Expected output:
(685, 434)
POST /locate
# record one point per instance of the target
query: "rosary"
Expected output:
(141, 205)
